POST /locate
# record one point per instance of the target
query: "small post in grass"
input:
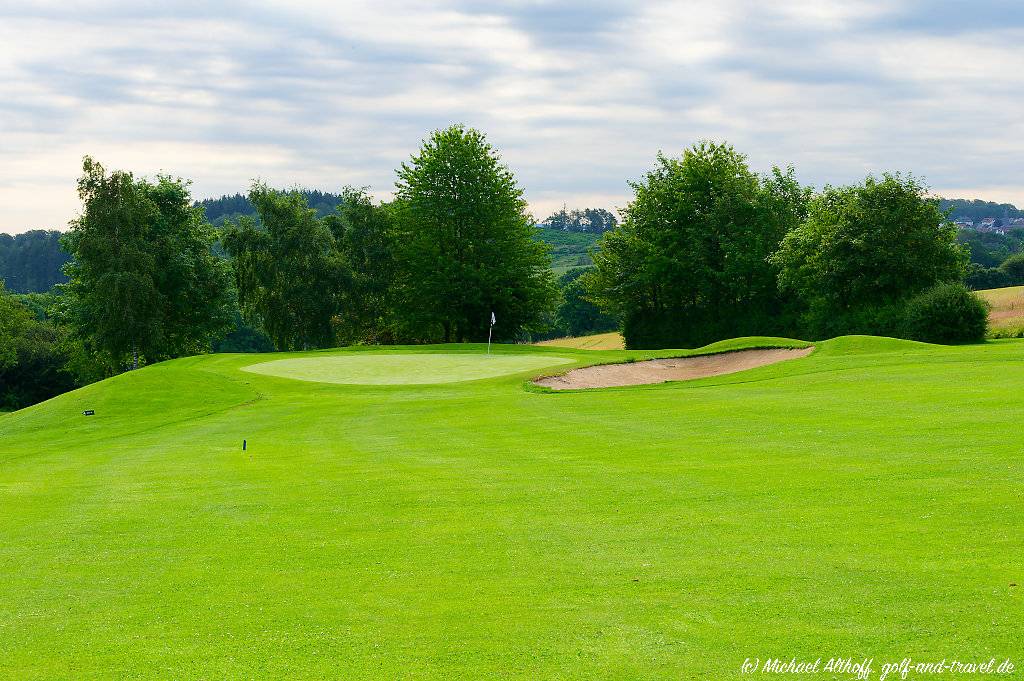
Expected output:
(243, 445)
(489, 332)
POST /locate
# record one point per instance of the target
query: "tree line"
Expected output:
(707, 249)
(594, 220)
(229, 208)
(33, 261)
(147, 280)
(976, 210)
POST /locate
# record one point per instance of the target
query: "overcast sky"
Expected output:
(578, 96)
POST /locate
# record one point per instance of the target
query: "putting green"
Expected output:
(355, 369)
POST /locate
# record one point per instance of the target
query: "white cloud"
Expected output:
(578, 96)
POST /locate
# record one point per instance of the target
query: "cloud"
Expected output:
(578, 96)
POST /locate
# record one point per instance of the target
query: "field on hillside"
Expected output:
(568, 249)
(598, 341)
(1006, 318)
(863, 501)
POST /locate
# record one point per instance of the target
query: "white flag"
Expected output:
(493, 319)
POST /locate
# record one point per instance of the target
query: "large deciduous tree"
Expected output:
(465, 244)
(143, 280)
(33, 360)
(863, 250)
(576, 314)
(288, 270)
(689, 265)
(363, 235)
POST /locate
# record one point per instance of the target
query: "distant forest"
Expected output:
(975, 209)
(230, 208)
(593, 220)
(31, 262)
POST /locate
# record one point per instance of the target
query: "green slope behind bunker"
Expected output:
(360, 369)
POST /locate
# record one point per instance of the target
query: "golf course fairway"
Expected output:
(865, 501)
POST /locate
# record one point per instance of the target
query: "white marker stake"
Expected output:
(489, 332)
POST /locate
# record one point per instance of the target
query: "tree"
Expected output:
(363, 235)
(979, 277)
(465, 244)
(287, 269)
(947, 312)
(863, 250)
(577, 315)
(689, 265)
(13, 319)
(1013, 268)
(143, 281)
(596, 220)
(32, 361)
(195, 285)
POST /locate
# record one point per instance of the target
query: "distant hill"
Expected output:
(571, 234)
(31, 262)
(975, 210)
(230, 208)
(568, 249)
(589, 220)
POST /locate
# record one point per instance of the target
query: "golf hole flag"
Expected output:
(489, 331)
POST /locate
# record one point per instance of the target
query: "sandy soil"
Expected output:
(675, 369)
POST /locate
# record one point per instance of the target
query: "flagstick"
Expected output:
(490, 330)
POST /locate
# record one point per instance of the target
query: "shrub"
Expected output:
(821, 321)
(946, 313)
(1013, 269)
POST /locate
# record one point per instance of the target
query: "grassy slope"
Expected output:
(1007, 314)
(863, 501)
(568, 249)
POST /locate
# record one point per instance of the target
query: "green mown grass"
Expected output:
(863, 501)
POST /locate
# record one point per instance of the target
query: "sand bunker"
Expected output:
(674, 369)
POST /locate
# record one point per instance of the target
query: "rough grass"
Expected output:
(1006, 318)
(864, 501)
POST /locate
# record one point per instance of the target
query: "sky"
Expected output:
(577, 96)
